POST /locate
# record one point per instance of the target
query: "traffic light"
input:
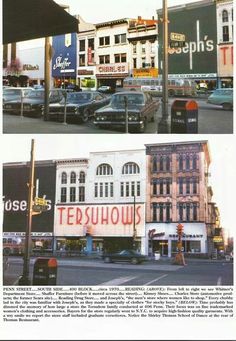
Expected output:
(180, 229)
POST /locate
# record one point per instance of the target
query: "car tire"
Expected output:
(107, 259)
(227, 106)
(171, 93)
(134, 261)
(85, 115)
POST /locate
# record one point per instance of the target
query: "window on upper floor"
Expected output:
(91, 43)
(72, 177)
(72, 194)
(63, 194)
(82, 45)
(82, 60)
(120, 38)
(225, 16)
(103, 190)
(81, 193)
(130, 189)
(104, 169)
(104, 41)
(82, 177)
(130, 168)
(104, 59)
(120, 58)
(225, 33)
(64, 178)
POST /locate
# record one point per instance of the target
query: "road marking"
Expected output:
(155, 280)
(118, 281)
(219, 281)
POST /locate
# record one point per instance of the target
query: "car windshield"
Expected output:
(36, 94)
(132, 99)
(11, 92)
(73, 97)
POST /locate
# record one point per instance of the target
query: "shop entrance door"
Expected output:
(161, 246)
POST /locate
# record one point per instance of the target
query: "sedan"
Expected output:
(140, 108)
(130, 256)
(79, 106)
(33, 102)
(223, 97)
(14, 93)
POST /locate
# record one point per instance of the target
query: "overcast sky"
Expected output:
(95, 11)
(222, 149)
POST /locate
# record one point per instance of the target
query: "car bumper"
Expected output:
(119, 124)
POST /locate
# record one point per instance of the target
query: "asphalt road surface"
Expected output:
(211, 120)
(153, 273)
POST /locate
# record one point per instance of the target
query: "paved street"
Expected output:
(212, 120)
(96, 272)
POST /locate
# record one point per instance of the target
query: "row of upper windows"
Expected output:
(102, 169)
(186, 212)
(185, 162)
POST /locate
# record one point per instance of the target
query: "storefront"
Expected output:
(162, 238)
(64, 60)
(94, 228)
(112, 74)
(87, 79)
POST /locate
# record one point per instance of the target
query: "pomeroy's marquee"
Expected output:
(102, 220)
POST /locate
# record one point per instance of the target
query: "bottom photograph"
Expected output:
(104, 211)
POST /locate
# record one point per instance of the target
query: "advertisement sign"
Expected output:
(199, 55)
(104, 220)
(15, 196)
(64, 58)
(145, 72)
(226, 60)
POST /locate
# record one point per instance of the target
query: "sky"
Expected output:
(51, 147)
(96, 11)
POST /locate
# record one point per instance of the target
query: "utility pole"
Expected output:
(163, 126)
(47, 59)
(24, 279)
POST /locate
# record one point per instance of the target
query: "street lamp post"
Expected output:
(24, 279)
(163, 126)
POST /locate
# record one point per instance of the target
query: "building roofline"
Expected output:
(195, 4)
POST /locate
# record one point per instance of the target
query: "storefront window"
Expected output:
(190, 246)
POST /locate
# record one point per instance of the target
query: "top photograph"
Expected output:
(154, 67)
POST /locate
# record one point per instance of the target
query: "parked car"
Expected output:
(80, 106)
(33, 102)
(106, 89)
(141, 109)
(13, 93)
(223, 97)
(130, 256)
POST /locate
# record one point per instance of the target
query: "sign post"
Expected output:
(179, 258)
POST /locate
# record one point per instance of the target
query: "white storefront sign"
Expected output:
(101, 220)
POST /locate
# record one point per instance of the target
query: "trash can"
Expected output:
(227, 258)
(45, 271)
(157, 255)
(184, 117)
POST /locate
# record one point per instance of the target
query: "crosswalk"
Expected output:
(126, 279)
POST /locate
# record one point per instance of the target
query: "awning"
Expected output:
(31, 19)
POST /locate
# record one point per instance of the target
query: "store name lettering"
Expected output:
(19, 205)
(98, 215)
(111, 69)
(195, 46)
(61, 63)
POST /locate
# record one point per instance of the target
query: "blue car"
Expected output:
(223, 97)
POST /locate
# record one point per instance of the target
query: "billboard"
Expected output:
(64, 55)
(198, 58)
(15, 197)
